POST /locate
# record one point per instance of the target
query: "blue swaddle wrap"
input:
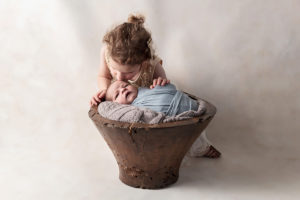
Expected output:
(164, 99)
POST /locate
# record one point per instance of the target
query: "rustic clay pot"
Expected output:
(149, 156)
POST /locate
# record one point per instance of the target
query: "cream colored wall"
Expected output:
(243, 56)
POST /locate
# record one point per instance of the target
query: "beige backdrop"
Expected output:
(242, 56)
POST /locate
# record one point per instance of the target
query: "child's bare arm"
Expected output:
(104, 76)
(159, 71)
(159, 76)
(103, 79)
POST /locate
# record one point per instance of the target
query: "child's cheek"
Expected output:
(127, 77)
(130, 76)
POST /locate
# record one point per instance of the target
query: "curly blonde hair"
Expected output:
(129, 43)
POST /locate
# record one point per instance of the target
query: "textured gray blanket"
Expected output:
(132, 114)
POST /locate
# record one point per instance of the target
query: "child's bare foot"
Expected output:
(212, 153)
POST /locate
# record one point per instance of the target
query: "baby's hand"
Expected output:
(159, 81)
(96, 99)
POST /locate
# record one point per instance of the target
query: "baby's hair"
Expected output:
(129, 42)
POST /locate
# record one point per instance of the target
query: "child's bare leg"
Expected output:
(203, 148)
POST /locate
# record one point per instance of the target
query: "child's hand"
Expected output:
(159, 81)
(98, 97)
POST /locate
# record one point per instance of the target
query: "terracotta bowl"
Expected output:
(149, 156)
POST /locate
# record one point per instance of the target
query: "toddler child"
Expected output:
(127, 55)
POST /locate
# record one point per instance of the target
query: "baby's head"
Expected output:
(128, 46)
(121, 92)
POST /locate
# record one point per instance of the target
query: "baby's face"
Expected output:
(121, 92)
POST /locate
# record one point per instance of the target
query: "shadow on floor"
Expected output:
(243, 169)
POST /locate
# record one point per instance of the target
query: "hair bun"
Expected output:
(136, 19)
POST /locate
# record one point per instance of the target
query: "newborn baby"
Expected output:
(164, 99)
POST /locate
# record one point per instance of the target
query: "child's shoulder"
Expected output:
(155, 60)
(103, 49)
(104, 53)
